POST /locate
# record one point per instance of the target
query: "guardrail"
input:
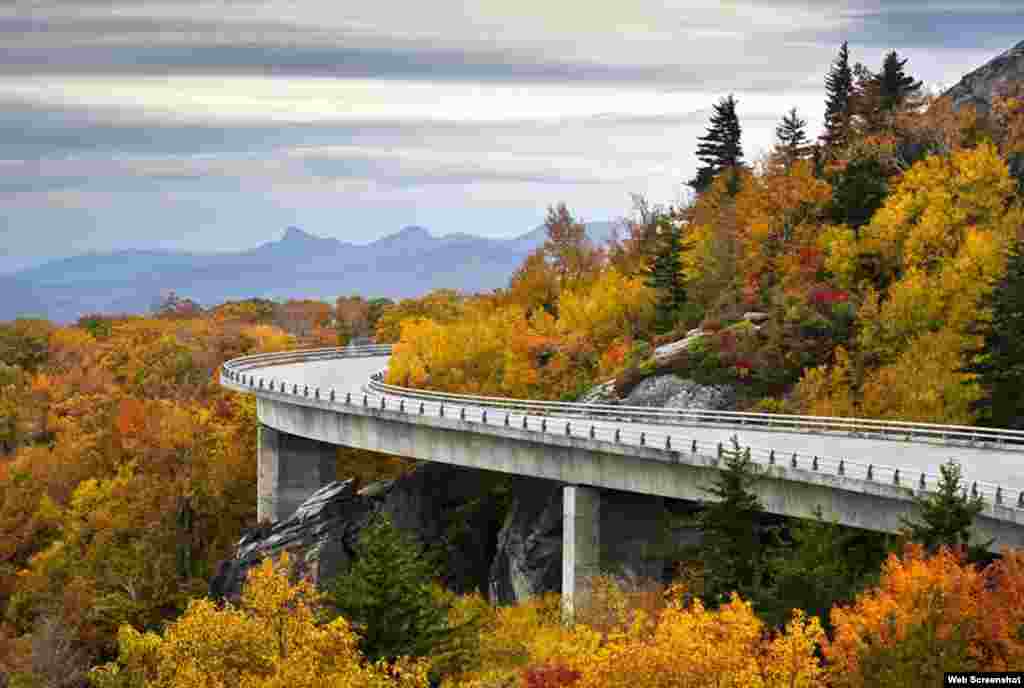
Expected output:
(542, 416)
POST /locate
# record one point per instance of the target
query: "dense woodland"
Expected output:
(885, 255)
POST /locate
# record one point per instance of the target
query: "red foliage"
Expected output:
(551, 675)
(827, 297)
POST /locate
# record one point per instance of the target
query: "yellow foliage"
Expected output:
(271, 640)
(828, 390)
(926, 218)
(268, 338)
(839, 245)
(614, 306)
(922, 384)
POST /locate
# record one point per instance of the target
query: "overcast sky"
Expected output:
(199, 125)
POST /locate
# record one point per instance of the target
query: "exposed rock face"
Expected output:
(655, 391)
(521, 560)
(667, 351)
(702, 397)
(528, 560)
(980, 86)
(324, 530)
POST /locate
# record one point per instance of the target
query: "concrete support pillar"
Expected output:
(268, 459)
(581, 545)
(290, 468)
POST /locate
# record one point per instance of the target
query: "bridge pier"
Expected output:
(289, 469)
(581, 545)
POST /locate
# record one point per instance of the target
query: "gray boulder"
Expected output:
(655, 391)
(694, 396)
(666, 351)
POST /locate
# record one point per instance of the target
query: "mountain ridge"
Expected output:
(299, 264)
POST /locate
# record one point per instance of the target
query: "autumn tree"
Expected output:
(928, 615)
(272, 639)
(839, 88)
(945, 516)
(25, 342)
(791, 137)
(719, 149)
(572, 255)
(534, 284)
(352, 318)
(997, 362)
(439, 305)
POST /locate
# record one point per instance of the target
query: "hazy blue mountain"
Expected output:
(407, 263)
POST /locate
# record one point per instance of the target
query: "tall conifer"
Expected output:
(732, 552)
(664, 274)
(998, 363)
(839, 89)
(895, 86)
(792, 137)
(720, 147)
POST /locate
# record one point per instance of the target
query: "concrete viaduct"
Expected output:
(863, 473)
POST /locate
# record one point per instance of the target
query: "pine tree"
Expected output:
(665, 274)
(839, 91)
(387, 596)
(731, 550)
(946, 515)
(719, 148)
(820, 564)
(895, 86)
(998, 363)
(792, 137)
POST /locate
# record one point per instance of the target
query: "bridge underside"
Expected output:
(602, 532)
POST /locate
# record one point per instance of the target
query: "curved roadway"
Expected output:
(991, 467)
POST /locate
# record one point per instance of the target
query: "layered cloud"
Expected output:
(220, 121)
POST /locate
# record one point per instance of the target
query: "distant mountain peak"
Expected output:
(296, 234)
(413, 231)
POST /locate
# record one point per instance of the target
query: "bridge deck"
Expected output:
(1004, 468)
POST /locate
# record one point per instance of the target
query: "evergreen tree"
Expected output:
(719, 148)
(731, 550)
(839, 91)
(895, 86)
(946, 515)
(792, 137)
(665, 275)
(998, 363)
(388, 598)
(820, 564)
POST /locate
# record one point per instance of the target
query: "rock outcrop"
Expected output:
(509, 561)
(324, 530)
(655, 391)
(667, 351)
(697, 397)
(528, 560)
(980, 86)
